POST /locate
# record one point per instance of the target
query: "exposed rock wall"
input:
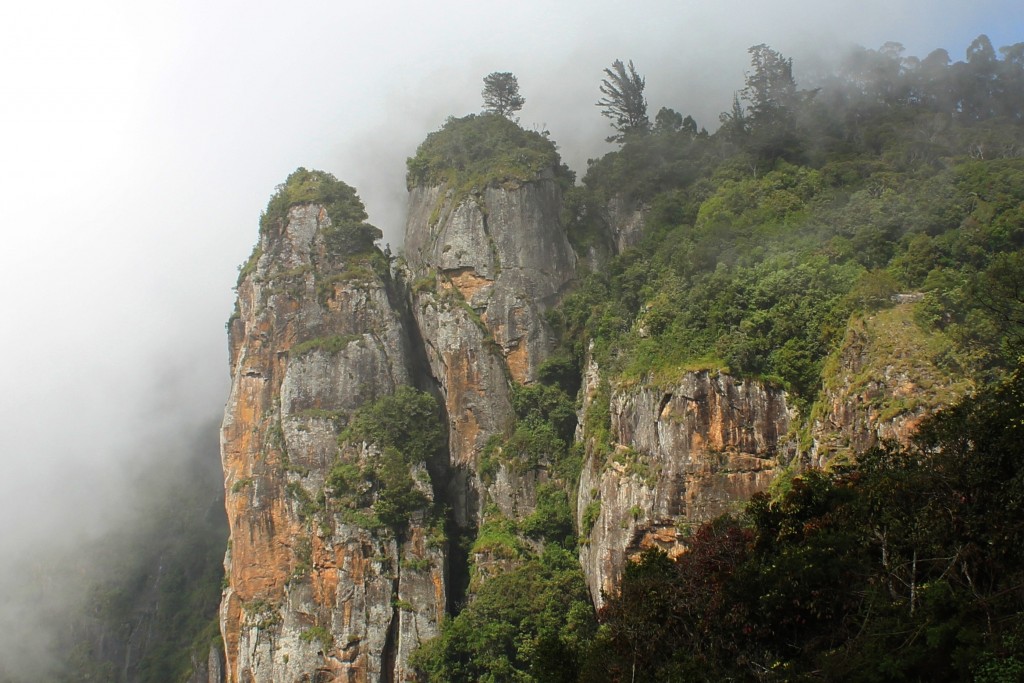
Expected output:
(311, 592)
(678, 456)
(484, 268)
(626, 222)
(505, 252)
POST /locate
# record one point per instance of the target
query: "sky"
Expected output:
(139, 142)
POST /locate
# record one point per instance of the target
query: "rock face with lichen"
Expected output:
(318, 585)
(315, 590)
(661, 460)
(484, 268)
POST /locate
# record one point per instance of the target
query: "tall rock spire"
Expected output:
(317, 583)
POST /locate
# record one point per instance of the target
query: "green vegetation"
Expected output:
(623, 100)
(541, 436)
(501, 94)
(551, 519)
(261, 614)
(306, 504)
(249, 267)
(333, 344)
(406, 429)
(906, 566)
(319, 634)
(498, 537)
(478, 151)
(590, 515)
(892, 342)
(348, 234)
(760, 241)
(416, 564)
(533, 623)
(404, 605)
(408, 421)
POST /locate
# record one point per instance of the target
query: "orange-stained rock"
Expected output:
(467, 282)
(310, 594)
(503, 259)
(681, 455)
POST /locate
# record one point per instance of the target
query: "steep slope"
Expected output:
(318, 587)
(887, 376)
(661, 460)
(487, 255)
(362, 511)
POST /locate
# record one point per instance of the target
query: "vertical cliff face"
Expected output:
(504, 251)
(315, 589)
(626, 220)
(484, 268)
(675, 456)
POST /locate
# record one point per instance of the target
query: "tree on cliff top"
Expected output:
(623, 100)
(501, 94)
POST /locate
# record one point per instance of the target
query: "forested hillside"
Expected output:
(828, 237)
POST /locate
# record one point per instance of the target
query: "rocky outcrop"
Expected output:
(504, 252)
(315, 587)
(474, 383)
(886, 377)
(674, 457)
(314, 592)
(626, 220)
(484, 267)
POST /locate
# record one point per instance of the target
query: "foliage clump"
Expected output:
(483, 150)
(407, 420)
(348, 233)
(501, 94)
(623, 100)
(533, 623)
(406, 432)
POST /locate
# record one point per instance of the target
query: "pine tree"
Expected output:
(501, 94)
(623, 100)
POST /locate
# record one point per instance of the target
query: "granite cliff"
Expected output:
(314, 587)
(671, 458)
(319, 583)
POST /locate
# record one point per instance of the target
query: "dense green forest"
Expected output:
(810, 208)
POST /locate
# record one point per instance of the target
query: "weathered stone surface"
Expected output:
(505, 252)
(474, 384)
(880, 385)
(484, 270)
(312, 594)
(679, 456)
(626, 222)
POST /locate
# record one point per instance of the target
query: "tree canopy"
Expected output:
(501, 94)
(623, 100)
